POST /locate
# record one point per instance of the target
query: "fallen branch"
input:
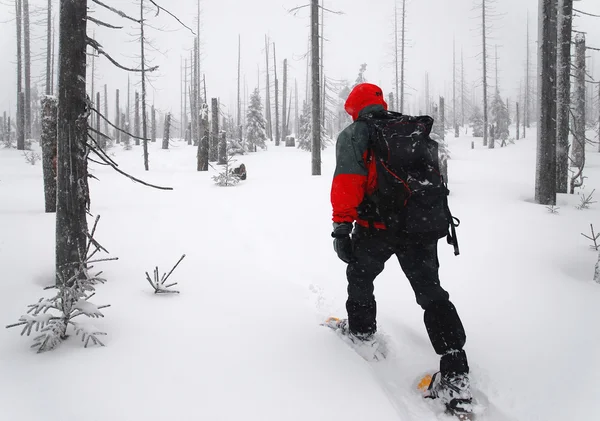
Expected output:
(118, 12)
(159, 283)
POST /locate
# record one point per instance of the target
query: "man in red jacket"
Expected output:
(370, 246)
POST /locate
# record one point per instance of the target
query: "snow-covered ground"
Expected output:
(242, 341)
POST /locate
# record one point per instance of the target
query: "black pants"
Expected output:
(419, 261)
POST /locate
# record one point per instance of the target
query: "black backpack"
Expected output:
(411, 195)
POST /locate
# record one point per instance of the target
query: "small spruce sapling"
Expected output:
(594, 237)
(553, 209)
(52, 317)
(32, 157)
(159, 283)
(586, 201)
(227, 177)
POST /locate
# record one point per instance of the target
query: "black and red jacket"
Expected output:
(355, 174)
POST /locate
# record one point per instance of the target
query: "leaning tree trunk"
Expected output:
(213, 153)
(72, 199)
(545, 177)
(48, 141)
(315, 92)
(563, 100)
(167, 131)
(578, 158)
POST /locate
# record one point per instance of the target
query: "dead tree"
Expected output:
(20, 128)
(545, 179)
(136, 119)
(268, 95)
(578, 156)
(101, 139)
(167, 131)
(49, 50)
(48, 141)
(27, 51)
(153, 126)
(213, 153)
(21, 121)
(315, 91)
(105, 109)
(518, 121)
(565, 25)
(277, 134)
(117, 118)
(203, 146)
(484, 34)
(72, 197)
(222, 149)
(284, 125)
(143, 72)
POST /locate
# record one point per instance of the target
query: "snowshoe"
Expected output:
(369, 346)
(453, 390)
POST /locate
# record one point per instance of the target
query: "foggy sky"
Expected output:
(363, 34)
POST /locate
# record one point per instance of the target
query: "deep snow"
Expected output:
(243, 341)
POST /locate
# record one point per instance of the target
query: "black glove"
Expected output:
(342, 243)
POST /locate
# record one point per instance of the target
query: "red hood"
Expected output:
(362, 96)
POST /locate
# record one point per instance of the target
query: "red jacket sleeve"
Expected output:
(350, 179)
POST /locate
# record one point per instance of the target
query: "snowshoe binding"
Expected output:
(368, 345)
(453, 390)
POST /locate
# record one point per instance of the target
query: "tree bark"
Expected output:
(545, 180)
(222, 148)
(213, 153)
(167, 132)
(565, 24)
(48, 141)
(136, 118)
(117, 118)
(203, 146)
(315, 92)
(27, 51)
(72, 174)
(49, 49)
(19, 20)
(284, 125)
(485, 83)
(277, 134)
(578, 158)
(21, 121)
(268, 95)
(143, 65)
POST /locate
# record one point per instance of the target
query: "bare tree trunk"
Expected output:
(222, 148)
(167, 132)
(527, 85)
(315, 92)
(578, 157)
(454, 121)
(565, 24)
(277, 134)
(48, 141)
(136, 118)
(72, 174)
(203, 146)
(518, 121)
(402, 47)
(49, 49)
(184, 118)
(485, 83)
(27, 48)
(143, 68)
(153, 124)
(127, 122)
(296, 110)
(268, 95)
(106, 109)
(284, 123)
(117, 118)
(443, 117)
(101, 139)
(545, 180)
(20, 129)
(239, 94)
(213, 153)
(21, 121)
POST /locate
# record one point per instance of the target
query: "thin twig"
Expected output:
(173, 16)
(100, 23)
(586, 13)
(176, 264)
(96, 46)
(115, 127)
(118, 12)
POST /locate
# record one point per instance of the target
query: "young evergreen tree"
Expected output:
(477, 122)
(500, 117)
(256, 125)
